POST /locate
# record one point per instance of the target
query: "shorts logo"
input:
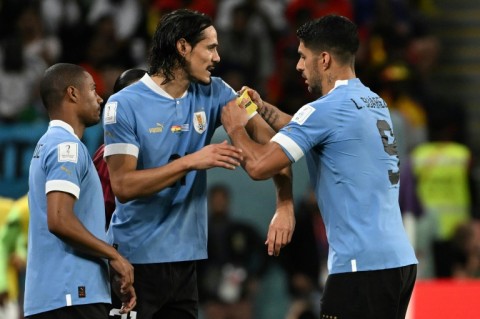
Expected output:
(303, 114)
(82, 293)
(67, 152)
(110, 113)
(200, 122)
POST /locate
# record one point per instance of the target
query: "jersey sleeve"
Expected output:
(65, 167)
(309, 127)
(119, 128)
(225, 94)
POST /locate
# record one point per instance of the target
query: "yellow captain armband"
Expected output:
(251, 107)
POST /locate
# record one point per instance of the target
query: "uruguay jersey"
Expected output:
(57, 275)
(350, 149)
(144, 121)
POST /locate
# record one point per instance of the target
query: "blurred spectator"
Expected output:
(35, 41)
(228, 279)
(465, 245)
(442, 171)
(284, 86)
(13, 253)
(267, 17)
(19, 77)
(244, 50)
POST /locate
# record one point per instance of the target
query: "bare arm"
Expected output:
(129, 183)
(281, 227)
(63, 223)
(270, 113)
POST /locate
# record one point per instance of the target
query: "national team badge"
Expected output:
(200, 122)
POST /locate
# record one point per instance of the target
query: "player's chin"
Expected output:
(204, 80)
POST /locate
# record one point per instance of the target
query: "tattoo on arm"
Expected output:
(269, 114)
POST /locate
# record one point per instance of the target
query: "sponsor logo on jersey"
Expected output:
(200, 121)
(157, 129)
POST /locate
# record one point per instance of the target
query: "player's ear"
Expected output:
(72, 93)
(182, 47)
(326, 60)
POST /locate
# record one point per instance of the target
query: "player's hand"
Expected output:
(280, 230)
(122, 272)
(234, 116)
(129, 300)
(254, 95)
(217, 155)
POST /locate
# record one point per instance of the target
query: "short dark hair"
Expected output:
(173, 26)
(56, 80)
(332, 33)
(128, 77)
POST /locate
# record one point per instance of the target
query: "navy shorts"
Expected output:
(378, 294)
(164, 290)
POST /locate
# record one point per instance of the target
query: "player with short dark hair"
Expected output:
(68, 259)
(347, 138)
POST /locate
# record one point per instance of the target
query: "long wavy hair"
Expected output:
(164, 57)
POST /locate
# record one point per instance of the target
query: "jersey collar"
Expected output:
(147, 80)
(63, 125)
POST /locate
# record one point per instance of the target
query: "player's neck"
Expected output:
(175, 88)
(331, 78)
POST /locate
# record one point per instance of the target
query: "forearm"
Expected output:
(72, 232)
(256, 157)
(260, 132)
(273, 116)
(142, 183)
(283, 184)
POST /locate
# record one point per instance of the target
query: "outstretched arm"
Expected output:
(129, 183)
(281, 227)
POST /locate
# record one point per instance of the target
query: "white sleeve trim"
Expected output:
(120, 148)
(289, 145)
(62, 186)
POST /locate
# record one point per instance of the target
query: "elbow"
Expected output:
(121, 192)
(257, 173)
(56, 227)
(122, 196)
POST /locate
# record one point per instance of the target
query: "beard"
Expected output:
(192, 78)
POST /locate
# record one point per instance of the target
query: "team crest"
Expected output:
(200, 122)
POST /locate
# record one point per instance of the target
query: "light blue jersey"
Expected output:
(57, 275)
(350, 148)
(142, 120)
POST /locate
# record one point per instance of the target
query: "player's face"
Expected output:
(308, 65)
(90, 102)
(204, 56)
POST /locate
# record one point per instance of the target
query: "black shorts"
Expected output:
(164, 290)
(369, 294)
(90, 311)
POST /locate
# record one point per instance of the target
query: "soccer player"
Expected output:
(157, 137)
(126, 78)
(68, 259)
(347, 138)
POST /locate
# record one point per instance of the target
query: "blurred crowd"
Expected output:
(258, 48)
